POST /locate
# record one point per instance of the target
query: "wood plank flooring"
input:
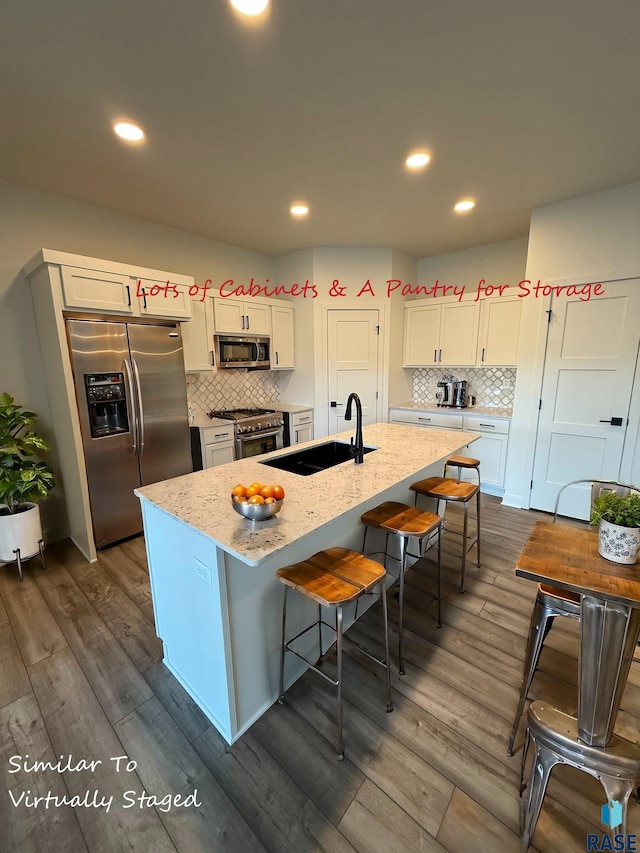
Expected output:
(81, 675)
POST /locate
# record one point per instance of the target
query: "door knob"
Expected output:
(613, 421)
(333, 404)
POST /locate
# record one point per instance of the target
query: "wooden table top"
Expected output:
(567, 557)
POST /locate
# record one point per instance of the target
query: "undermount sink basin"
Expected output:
(314, 459)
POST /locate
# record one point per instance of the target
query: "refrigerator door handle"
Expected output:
(131, 406)
(136, 374)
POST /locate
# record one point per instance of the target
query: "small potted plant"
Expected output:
(618, 520)
(23, 479)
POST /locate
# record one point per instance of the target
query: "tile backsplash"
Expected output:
(230, 389)
(492, 386)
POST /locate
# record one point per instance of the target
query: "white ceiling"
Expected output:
(520, 103)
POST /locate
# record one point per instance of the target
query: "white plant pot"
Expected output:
(20, 530)
(618, 544)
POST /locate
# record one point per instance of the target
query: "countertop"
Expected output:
(202, 500)
(291, 407)
(487, 411)
(202, 420)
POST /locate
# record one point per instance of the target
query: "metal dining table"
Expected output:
(567, 557)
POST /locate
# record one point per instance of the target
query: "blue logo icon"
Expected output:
(612, 814)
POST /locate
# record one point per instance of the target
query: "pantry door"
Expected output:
(591, 355)
(353, 341)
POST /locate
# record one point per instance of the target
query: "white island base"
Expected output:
(217, 602)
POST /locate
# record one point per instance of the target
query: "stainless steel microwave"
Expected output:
(240, 351)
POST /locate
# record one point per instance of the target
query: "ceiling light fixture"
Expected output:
(418, 160)
(250, 7)
(130, 132)
(464, 205)
(299, 209)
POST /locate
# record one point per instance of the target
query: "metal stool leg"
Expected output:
(403, 565)
(541, 621)
(618, 790)
(41, 548)
(282, 650)
(387, 656)
(440, 575)
(339, 654)
(478, 525)
(319, 635)
(543, 763)
(465, 532)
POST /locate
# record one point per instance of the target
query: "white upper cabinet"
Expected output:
(282, 341)
(197, 337)
(91, 290)
(421, 335)
(444, 335)
(458, 334)
(499, 331)
(235, 317)
(163, 299)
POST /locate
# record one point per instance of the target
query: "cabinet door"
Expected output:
(218, 454)
(282, 357)
(499, 332)
(229, 316)
(257, 318)
(459, 334)
(197, 337)
(163, 299)
(302, 433)
(96, 291)
(421, 335)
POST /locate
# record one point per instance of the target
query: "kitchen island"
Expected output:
(217, 602)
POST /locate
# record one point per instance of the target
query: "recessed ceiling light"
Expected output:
(464, 205)
(130, 132)
(250, 7)
(417, 160)
(299, 209)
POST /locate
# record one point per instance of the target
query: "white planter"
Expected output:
(618, 544)
(20, 530)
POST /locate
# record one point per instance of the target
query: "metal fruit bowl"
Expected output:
(256, 512)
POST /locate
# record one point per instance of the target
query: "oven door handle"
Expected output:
(247, 436)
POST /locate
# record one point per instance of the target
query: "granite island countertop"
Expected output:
(202, 500)
(487, 411)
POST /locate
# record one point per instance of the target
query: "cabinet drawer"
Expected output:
(299, 418)
(482, 424)
(428, 419)
(215, 435)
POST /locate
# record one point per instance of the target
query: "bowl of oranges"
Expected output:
(257, 501)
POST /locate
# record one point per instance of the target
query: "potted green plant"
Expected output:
(23, 480)
(618, 520)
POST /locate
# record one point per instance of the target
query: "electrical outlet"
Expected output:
(203, 572)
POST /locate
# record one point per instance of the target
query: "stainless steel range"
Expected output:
(256, 430)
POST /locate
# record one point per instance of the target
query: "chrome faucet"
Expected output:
(357, 448)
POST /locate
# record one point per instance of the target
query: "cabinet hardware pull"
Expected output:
(440, 355)
(302, 420)
(276, 357)
(243, 321)
(423, 419)
(482, 353)
(247, 316)
(491, 426)
(212, 360)
(435, 355)
(144, 297)
(221, 435)
(128, 296)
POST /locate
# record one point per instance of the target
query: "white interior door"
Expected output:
(352, 351)
(590, 361)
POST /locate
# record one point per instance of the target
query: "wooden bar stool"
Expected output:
(332, 578)
(457, 491)
(404, 521)
(459, 462)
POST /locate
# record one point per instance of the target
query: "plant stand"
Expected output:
(20, 559)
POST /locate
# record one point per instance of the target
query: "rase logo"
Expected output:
(612, 816)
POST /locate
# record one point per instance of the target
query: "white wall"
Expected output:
(496, 263)
(298, 386)
(588, 239)
(32, 220)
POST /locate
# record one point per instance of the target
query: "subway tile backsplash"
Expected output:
(492, 386)
(230, 389)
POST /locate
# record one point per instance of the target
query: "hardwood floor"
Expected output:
(81, 675)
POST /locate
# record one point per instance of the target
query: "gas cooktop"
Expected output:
(240, 414)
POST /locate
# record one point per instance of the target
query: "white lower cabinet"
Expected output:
(417, 417)
(215, 446)
(298, 426)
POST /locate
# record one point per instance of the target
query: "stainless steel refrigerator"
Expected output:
(131, 395)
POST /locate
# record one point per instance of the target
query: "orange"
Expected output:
(257, 486)
(250, 491)
(239, 490)
(240, 499)
(269, 500)
(278, 492)
(266, 491)
(256, 499)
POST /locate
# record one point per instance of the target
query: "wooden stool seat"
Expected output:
(463, 462)
(445, 488)
(404, 521)
(457, 491)
(566, 594)
(401, 519)
(332, 578)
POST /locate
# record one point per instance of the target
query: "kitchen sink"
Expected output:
(314, 459)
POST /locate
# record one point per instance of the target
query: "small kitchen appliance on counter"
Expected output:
(460, 394)
(444, 394)
(256, 430)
